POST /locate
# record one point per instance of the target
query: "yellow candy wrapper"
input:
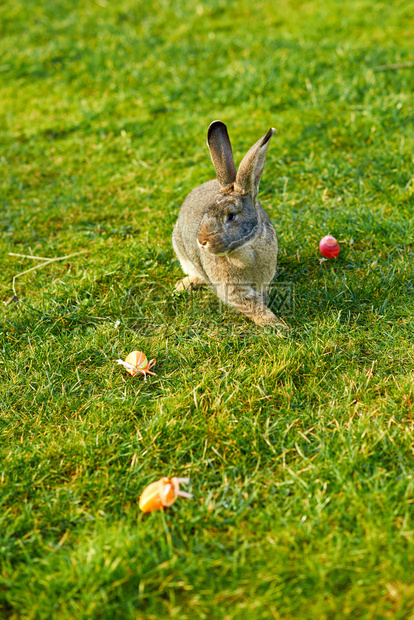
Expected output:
(137, 363)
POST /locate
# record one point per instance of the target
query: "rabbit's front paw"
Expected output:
(188, 283)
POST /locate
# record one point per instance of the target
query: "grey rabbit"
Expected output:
(223, 237)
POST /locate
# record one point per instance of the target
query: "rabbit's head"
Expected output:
(231, 218)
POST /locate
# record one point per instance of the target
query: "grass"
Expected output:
(299, 449)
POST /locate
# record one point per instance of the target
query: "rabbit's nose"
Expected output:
(202, 239)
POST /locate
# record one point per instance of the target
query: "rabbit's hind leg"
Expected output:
(251, 303)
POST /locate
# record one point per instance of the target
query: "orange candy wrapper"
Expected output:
(163, 493)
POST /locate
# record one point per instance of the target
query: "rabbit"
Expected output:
(223, 237)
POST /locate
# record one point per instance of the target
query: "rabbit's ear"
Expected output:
(251, 167)
(218, 142)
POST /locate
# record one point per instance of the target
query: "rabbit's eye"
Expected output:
(230, 217)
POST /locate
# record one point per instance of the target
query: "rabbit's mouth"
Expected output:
(221, 243)
(220, 248)
(211, 248)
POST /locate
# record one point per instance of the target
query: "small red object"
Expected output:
(329, 247)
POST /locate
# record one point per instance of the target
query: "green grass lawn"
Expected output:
(300, 449)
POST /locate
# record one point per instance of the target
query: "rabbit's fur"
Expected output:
(223, 237)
